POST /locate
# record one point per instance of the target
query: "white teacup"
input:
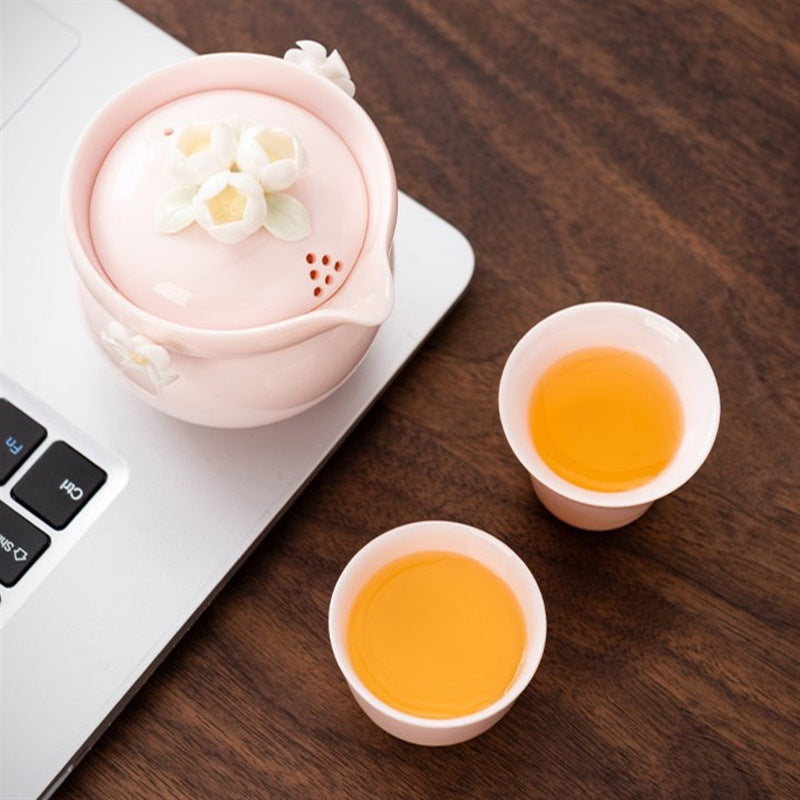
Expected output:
(639, 331)
(451, 537)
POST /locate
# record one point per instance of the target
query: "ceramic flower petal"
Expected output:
(138, 354)
(239, 124)
(174, 209)
(312, 57)
(197, 152)
(308, 52)
(157, 364)
(230, 206)
(287, 218)
(272, 155)
(116, 338)
(334, 67)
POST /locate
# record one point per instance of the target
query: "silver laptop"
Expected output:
(100, 575)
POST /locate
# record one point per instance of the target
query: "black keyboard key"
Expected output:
(20, 545)
(19, 437)
(58, 485)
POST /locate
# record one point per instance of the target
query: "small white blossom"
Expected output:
(230, 206)
(136, 353)
(197, 152)
(230, 179)
(274, 156)
(313, 57)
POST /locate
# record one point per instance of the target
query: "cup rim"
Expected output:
(232, 70)
(659, 486)
(534, 649)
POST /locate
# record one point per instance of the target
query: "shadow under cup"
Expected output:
(639, 331)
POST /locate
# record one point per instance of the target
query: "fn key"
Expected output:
(58, 485)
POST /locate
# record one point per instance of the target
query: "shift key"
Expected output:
(20, 545)
(58, 485)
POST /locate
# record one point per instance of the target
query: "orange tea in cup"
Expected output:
(605, 419)
(436, 634)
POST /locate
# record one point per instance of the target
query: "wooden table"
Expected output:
(637, 151)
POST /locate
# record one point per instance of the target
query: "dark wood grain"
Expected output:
(636, 151)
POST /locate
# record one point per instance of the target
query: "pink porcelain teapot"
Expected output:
(230, 220)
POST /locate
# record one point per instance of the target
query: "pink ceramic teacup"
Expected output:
(638, 331)
(220, 303)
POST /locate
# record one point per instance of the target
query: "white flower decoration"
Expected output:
(197, 152)
(137, 353)
(313, 57)
(230, 206)
(272, 155)
(231, 175)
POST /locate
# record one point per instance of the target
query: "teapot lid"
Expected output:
(228, 209)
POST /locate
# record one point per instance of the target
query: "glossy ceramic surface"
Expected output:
(451, 537)
(631, 328)
(228, 369)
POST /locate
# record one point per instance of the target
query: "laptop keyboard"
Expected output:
(22, 436)
(58, 484)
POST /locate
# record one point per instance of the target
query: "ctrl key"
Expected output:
(58, 485)
(20, 545)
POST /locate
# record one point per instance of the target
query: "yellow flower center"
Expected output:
(227, 206)
(137, 358)
(194, 143)
(276, 146)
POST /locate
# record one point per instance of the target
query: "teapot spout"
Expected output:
(365, 299)
(367, 296)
